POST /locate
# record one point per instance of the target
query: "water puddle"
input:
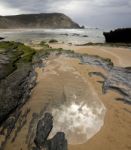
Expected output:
(81, 115)
(78, 121)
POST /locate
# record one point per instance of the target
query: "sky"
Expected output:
(91, 13)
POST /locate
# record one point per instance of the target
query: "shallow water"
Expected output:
(81, 113)
(75, 36)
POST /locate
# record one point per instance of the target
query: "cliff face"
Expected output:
(52, 20)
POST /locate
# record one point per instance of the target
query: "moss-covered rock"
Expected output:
(16, 74)
(53, 41)
(12, 54)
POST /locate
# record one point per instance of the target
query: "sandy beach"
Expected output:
(65, 75)
(67, 80)
(120, 56)
(115, 134)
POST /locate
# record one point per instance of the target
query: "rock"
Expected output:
(44, 128)
(17, 76)
(119, 80)
(15, 89)
(53, 41)
(1, 38)
(118, 36)
(58, 142)
(84, 35)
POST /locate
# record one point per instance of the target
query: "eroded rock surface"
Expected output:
(44, 127)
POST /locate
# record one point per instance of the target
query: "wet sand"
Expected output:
(63, 90)
(115, 134)
(65, 80)
(119, 56)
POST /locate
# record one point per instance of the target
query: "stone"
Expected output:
(58, 142)
(118, 36)
(44, 128)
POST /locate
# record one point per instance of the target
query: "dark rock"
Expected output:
(15, 89)
(44, 128)
(58, 142)
(118, 36)
(17, 77)
(119, 80)
(84, 35)
(1, 38)
(96, 60)
(97, 74)
(53, 41)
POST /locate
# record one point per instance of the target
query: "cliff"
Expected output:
(43, 20)
(118, 36)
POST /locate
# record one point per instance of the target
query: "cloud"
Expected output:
(79, 10)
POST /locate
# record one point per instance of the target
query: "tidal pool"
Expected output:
(78, 121)
(78, 111)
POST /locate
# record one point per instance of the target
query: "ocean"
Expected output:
(74, 36)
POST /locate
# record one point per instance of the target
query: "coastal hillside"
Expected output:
(43, 20)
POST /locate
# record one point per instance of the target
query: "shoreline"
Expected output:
(123, 58)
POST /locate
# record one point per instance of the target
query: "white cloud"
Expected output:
(5, 10)
(83, 11)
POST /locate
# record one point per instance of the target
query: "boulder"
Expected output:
(118, 36)
(58, 142)
(44, 128)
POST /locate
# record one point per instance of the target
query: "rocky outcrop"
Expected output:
(58, 142)
(44, 127)
(17, 76)
(15, 89)
(43, 20)
(118, 36)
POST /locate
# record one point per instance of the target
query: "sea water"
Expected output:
(74, 36)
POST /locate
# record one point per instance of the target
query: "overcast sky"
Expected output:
(92, 13)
